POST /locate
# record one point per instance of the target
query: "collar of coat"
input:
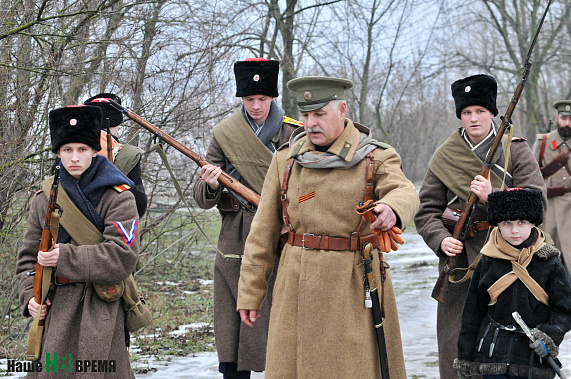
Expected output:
(557, 140)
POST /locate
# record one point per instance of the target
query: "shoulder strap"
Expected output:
(81, 230)
(370, 179)
(287, 172)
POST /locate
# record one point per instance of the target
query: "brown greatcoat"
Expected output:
(79, 324)
(434, 197)
(558, 216)
(319, 326)
(235, 342)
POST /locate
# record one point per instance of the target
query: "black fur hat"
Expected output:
(515, 204)
(109, 112)
(75, 124)
(479, 90)
(256, 76)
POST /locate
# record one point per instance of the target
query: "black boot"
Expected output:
(230, 371)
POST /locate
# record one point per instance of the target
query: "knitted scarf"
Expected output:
(86, 192)
(498, 247)
(316, 159)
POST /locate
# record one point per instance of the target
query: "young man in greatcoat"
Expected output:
(78, 323)
(242, 146)
(126, 157)
(319, 325)
(453, 172)
(558, 181)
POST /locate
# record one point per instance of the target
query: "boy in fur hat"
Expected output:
(518, 272)
(79, 325)
(453, 172)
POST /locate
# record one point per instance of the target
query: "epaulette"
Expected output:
(283, 146)
(39, 191)
(383, 145)
(289, 120)
(121, 188)
(517, 139)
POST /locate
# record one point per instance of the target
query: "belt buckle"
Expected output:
(303, 241)
(510, 328)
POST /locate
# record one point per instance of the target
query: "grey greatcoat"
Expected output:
(78, 322)
(319, 325)
(558, 216)
(235, 342)
(434, 197)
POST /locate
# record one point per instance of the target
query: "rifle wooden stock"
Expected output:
(46, 242)
(443, 282)
(226, 180)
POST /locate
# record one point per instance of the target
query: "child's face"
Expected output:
(515, 232)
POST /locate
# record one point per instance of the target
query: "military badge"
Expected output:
(467, 89)
(73, 122)
(256, 78)
(307, 95)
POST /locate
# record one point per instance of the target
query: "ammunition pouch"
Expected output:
(451, 216)
(555, 165)
(109, 292)
(228, 203)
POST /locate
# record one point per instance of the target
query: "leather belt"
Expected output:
(557, 191)
(60, 280)
(353, 243)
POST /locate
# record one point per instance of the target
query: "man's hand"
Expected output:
(210, 173)
(49, 258)
(249, 316)
(33, 307)
(481, 187)
(451, 246)
(386, 218)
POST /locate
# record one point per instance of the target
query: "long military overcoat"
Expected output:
(434, 197)
(558, 217)
(235, 342)
(319, 326)
(79, 324)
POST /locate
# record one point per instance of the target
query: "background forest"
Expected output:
(171, 62)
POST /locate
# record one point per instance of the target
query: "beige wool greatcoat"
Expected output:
(78, 322)
(558, 216)
(319, 326)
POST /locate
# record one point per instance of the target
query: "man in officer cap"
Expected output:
(242, 145)
(126, 157)
(552, 151)
(319, 326)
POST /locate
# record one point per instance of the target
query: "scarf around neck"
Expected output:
(86, 192)
(311, 158)
(498, 247)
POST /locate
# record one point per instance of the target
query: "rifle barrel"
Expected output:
(226, 180)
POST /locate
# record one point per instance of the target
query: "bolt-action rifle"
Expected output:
(109, 143)
(247, 197)
(462, 227)
(41, 279)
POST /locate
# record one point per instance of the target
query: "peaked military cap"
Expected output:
(75, 124)
(256, 76)
(114, 115)
(314, 92)
(563, 107)
(478, 89)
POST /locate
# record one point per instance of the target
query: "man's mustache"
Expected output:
(315, 129)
